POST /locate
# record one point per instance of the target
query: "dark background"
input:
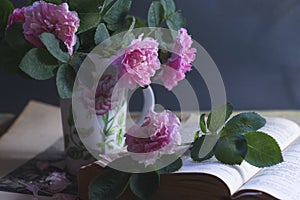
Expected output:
(255, 44)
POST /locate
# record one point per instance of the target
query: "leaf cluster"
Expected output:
(164, 11)
(111, 183)
(234, 140)
(99, 19)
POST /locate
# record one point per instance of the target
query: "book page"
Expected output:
(284, 131)
(36, 129)
(283, 180)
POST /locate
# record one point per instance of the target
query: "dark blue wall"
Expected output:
(255, 44)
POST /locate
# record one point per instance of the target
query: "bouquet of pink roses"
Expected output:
(47, 39)
(51, 38)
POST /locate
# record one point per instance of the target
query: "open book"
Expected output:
(213, 180)
(34, 139)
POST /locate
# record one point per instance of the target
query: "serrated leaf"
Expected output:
(218, 116)
(169, 7)
(39, 64)
(117, 12)
(88, 12)
(101, 34)
(244, 123)
(144, 185)
(108, 185)
(202, 123)
(65, 80)
(172, 167)
(175, 21)
(6, 8)
(263, 150)
(155, 14)
(231, 149)
(199, 152)
(54, 47)
(15, 38)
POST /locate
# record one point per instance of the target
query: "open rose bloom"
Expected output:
(159, 135)
(46, 17)
(138, 62)
(180, 61)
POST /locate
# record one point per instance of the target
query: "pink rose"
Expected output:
(104, 98)
(56, 19)
(157, 136)
(57, 182)
(138, 62)
(16, 16)
(180, 61)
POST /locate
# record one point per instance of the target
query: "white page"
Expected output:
(36, 129)
(284, 131)
(283, 180)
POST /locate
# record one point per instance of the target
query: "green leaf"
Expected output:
(6, 7)
(144, 185)
(263, 150)
(108, 185)
(218, 116)
(202, 123)
(88, 12)
(244, 123)
(231, 149)
(130, 23)
(54, 47)
(197, 135)
(15, 38)
(39, 64)
(101, 33)
(86, 39)
(175, 21)
(155, 14)
(116, 14)
(169, 7)
(65, 79)
(76, 60)
(206, 151)
(115, 27)
(120, 137)
(172, 167)
(112, 131)
(106, 6)
(140, 22)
